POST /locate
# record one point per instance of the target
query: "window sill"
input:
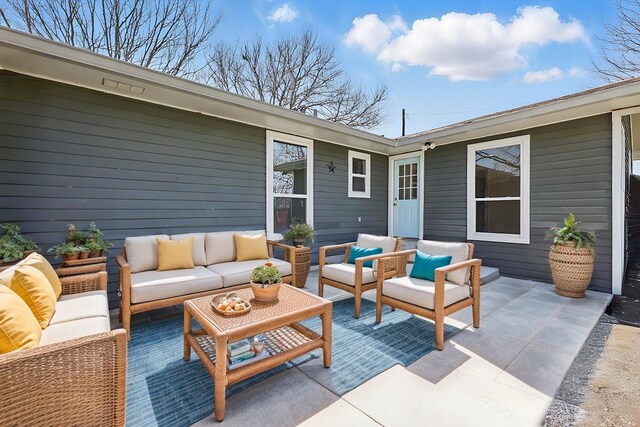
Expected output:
(499, 238)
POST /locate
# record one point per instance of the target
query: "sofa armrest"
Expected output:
(84, 283)
(287, 248)
(76, 382)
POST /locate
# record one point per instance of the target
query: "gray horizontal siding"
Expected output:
(336, 215)
(570, 172)
(69, 155)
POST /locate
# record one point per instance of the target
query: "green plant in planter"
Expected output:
(94, 231)
(571, 233)
(63, 249)
(92, 246)
(266, 275)
(13, 244)
(299, 233)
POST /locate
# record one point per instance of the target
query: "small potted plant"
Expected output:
(75, 237)
(95, 249)
(571, 258)
(265, 283)
(66, 251)
(94, 234)
(84, 251)
(299, 233)
(13, 245)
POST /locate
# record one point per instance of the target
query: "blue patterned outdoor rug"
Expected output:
(163, 390)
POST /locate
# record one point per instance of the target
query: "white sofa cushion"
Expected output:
(156, 285)
(459, 252)
(198, 255)
(221, 247)
(81, 306)
(239, 272)
(142, 252)
(387, 243)
(66, 331)
(346, 273)
(421, 292)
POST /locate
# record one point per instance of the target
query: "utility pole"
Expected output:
(403, 120)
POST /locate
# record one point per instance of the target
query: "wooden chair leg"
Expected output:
(358, 300)
(320, 286)
(439, 333)
(476, 313)
(378, 310)
(126, 322)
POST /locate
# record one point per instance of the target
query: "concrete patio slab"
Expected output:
(505, 373)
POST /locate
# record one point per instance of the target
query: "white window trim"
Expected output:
(366, 194)
(290, 139)
(523, 237)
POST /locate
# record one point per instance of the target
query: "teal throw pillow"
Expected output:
(358, 252)
(424, 266)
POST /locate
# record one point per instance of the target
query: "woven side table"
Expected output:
(302, 265)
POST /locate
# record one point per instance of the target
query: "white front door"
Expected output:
(407, 196)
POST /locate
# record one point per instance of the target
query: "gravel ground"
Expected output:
(602, 386)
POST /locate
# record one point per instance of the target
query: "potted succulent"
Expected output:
(14, 246)
(66, 251)
(74, 236)
(299, 233)
(84, 251)
(265, 283)
(95, 249)
(571, 258)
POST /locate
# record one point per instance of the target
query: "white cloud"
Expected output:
(397, 67)
(543, 75)
(371, 34)
(284, 13)
(462, 46)
(577, 72)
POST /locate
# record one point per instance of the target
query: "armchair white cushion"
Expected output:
(387, 243)
(346, 273)
(421, 292)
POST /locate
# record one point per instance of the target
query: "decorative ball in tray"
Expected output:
(230, 305)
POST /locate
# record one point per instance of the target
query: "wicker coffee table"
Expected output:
(285, 338)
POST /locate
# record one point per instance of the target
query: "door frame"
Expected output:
(391, 189)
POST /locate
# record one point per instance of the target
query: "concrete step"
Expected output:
(488, 274)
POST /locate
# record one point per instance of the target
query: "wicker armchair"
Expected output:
(354, 278)
(77, 382)
(433, 300)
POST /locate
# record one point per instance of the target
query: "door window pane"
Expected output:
(285, 210)
(289, 168)
(502, 216)
(498, 172)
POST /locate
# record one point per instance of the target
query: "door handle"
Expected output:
(395, 201)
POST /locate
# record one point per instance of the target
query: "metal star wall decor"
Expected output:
(332, 167)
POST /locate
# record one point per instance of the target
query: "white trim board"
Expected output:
(283, 137)
(525, 159)
(391, 185)
(618, 199)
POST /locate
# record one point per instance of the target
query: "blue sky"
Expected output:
(443, 61)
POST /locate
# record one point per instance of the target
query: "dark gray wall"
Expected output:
(336, 215)
(570, 172)
(69, 155)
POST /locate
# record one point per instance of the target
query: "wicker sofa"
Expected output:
(77, 375)
(143, 288)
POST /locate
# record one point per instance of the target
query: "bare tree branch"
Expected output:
(297, 72)
(620, 51)
(167, 35)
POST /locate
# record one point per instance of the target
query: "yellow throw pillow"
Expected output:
(32, 286)
(251, 247)
(19, 328)
(38, 261)
(175, 254)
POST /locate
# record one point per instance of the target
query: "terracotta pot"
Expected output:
(266, 294)
(71, 257)
(95, 254)
(15, 261)
(571, 269)
(84, 255)
(299, 241)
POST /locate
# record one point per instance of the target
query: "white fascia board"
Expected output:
(562, 111)
(26, 54)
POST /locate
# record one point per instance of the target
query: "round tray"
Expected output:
(217, 299)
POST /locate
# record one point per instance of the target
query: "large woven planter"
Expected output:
(571, 269)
